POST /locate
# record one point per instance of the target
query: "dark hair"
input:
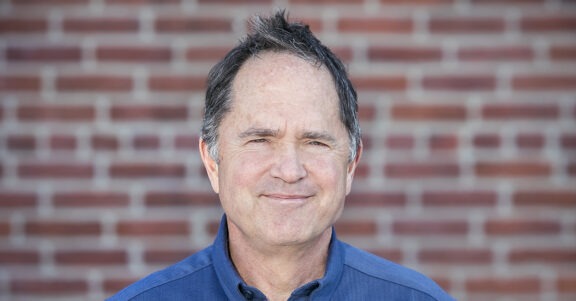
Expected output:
(276, 34)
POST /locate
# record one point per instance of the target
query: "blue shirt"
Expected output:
(351, 274)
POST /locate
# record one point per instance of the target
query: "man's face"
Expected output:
(283, 169)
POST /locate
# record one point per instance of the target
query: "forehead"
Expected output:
(281, 76)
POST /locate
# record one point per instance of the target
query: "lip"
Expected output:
(287, 197)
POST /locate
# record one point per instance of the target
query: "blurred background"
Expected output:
(468, 110)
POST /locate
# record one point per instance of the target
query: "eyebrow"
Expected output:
(258, 132)
(323, 136)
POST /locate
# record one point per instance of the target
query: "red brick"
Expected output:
(19, 257)
(327, 2)
(139, 228)
(17, 199)
(19, 83)
(513, 169)
(149, 112)
(61, 113)
(501, 286)
(486, 140)
(192, 24)
(455, 256)
(421, 170)
(45, 287)
(63, 142)
(146, 142)
(496, 53)
(43, 54)
(566, 284)
(409, 54)
(466, 25)
(362, 171)
(394, 255)
(399, 142)
(16, 25)
(521, 227)
(443, 142)
(380, 199)
(384, 83)
(506, 2)
(21, 142)
(91, 257)
(421, 227)
(212, 228)
(563, 52)
(176, 83)
(99, 83)
(545, 198)
(104, 142)
(531, 141)
(462, 82)
(55, 170)
(571, 169)
(416, 2)
(427, 112)
(375, 25)
(206, 53)
(178, 199)
(143, 170)
(143, 2)
(85, 199)
(62, 228)
(345, 53)
(4, 228)
(568, 141)
(113, 285)
(235, 2)
(543, 255)
(49, 2)
(366, 112)
(456, 199)
(186, 142)
(134, 53)
(356, 227)
(103, 25)
(544, 82)
(520, 111)
(549, 23)
(166, 256)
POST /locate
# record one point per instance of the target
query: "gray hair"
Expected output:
(276, 34)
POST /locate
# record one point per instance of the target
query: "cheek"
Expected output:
(330, 171)
(240, 170)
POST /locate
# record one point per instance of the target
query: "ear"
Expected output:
(210, 165)
(352, 167)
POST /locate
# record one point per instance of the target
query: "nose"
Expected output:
(288, 165)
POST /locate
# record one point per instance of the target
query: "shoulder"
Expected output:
(192, 266)
(386, 272)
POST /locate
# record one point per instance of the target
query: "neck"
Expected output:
(278, 270)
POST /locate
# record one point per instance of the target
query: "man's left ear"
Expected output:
(352, 167)
(210, 165)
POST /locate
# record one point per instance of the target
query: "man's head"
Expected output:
(280, 140)
(275, 34)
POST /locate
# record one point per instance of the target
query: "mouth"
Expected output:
(287, 198)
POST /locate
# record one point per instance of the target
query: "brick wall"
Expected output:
(468, 110)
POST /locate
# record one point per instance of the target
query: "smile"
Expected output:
(287, 198)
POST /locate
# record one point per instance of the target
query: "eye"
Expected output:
(259, 140)
(317, 143)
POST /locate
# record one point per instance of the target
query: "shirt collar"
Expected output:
(231, 282)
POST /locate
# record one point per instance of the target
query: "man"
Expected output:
(280, 143)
